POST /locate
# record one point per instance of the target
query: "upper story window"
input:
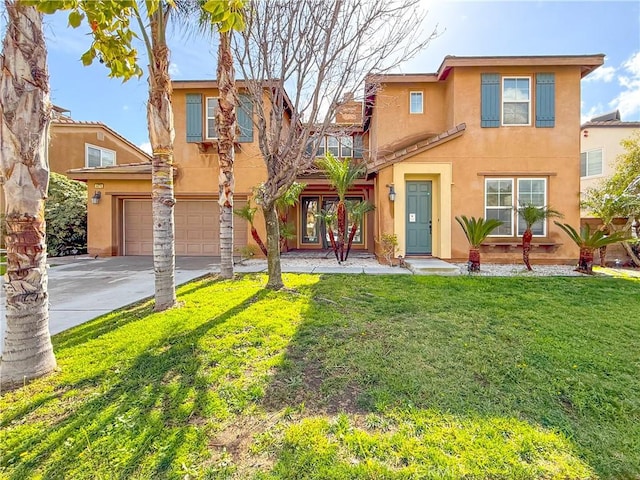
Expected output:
(513, 101)
(591, 163)
(98, 156)
(340, 147)
(212, 109)
(415, 102)
(502, 200)
(516, 100)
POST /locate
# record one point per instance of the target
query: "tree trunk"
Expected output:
(585, 263)
(474, 259)
(352, 234)
(274, 268)
(332, 240)
(226, 152)
(161, 135)
(342, 227)
(26, 113)
(526, 247)
(603, 256)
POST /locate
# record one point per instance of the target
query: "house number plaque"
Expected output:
(412, 217)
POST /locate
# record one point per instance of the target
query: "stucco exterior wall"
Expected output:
(67, 146)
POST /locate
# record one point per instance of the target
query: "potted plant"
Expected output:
(532, 214)
(588, 242)
(476, 230)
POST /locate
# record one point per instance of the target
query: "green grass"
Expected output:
(343, 377)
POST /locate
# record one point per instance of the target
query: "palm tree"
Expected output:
(476, 230)
(356, 211)
(248, 213)
(532, 214)
(161, 135)
(24, 127)
(588, 242)
(225, 16)
(286, 201)
(342, 174)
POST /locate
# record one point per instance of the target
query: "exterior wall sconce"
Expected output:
(97, 195)
(392, 192)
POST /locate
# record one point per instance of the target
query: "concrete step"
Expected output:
(431, 266)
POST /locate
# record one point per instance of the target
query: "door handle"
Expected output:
(430, 226)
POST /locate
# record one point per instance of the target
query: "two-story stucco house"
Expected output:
(476, 137)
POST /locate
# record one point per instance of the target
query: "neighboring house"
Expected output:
(599, 149)
(600, 146)
(474, 138)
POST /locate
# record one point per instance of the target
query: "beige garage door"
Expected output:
(196, 225)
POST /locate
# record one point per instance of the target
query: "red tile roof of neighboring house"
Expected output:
(419, 146)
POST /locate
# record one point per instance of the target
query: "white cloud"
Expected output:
(628, 101)
(174, 70)
(594, 111)
(602, 74)
(145, 147)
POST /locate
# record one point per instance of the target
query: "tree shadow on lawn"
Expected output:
(149, 408)
(498, 351)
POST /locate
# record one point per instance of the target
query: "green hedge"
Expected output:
(66, 216)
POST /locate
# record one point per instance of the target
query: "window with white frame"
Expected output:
(498, 204)
(516, 100)
(339, 147)
(502, 200)
(346, 147)
(415, 102)
(333, 146)
(98, 156)
(532, 191)
(212, 109)
(591, 163)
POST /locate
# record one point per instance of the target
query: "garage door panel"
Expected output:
(197, 227)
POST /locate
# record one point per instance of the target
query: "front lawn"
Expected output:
(343, 377)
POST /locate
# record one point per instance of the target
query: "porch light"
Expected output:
(392, 192)
(97, 195)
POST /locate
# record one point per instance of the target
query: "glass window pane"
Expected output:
(594, 162)
(516, 113)
(93, 157)
(503, 214)
(309, 220)
(108, 158)
(509, 90)
(333, 146)
(211, 128)
(212, 108)
(583, 164)
(346, 146)
(416, 102)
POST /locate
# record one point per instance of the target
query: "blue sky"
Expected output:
(467, 28)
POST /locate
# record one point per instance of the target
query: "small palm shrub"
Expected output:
(532, 214)
(589, 241)
(476, 230)
(389, 242)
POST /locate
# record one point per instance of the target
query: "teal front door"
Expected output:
(418, 218)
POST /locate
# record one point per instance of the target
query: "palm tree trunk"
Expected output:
(161, 135)
(332, 240)
(474, 259)
(526, 247)
(585, 263)
(274, 268)
(258, 240)
(226, 151)
(342, 227)
(26, 113)
(352, 235)
(603, 256)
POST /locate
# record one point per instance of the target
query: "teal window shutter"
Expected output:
(244, 115)
(194, 117)
(357, 145)
(490, 101)
(545, 100)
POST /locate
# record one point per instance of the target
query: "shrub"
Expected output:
(66, 216)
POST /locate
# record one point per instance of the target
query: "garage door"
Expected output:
(197, 227)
